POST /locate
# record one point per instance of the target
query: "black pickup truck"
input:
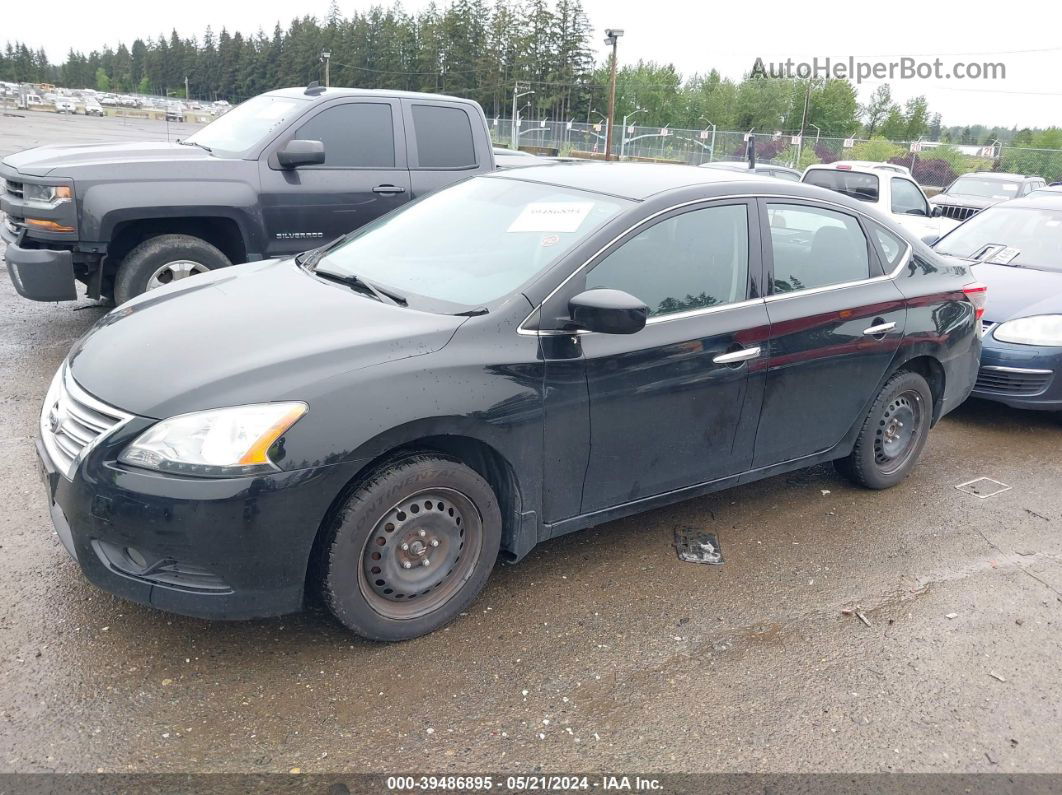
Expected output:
(281, 173)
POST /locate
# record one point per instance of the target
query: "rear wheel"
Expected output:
(163, 260)
(893, 434)
(411, 548)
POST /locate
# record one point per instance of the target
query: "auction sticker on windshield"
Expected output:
(551, 217)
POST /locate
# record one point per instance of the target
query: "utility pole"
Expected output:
(803, 121)
(611, 37)
(325, 56)
(514, 137)
(186, 97)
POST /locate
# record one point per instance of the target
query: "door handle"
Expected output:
(735, 357)
(388, 190)
(881, 328)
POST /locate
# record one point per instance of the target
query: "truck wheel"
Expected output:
(410, 548)
(162, 260)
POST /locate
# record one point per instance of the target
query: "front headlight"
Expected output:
(228, 442)
(46, 194)
(1033, 330)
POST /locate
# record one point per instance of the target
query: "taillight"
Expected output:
(977, 294)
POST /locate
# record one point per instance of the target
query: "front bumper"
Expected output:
(40, 274)
(211, 548)
(1022, 376)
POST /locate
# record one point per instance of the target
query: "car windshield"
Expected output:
(851, 183)
(1034, 233)
(473, 243)
(984, 188)
(247, 124)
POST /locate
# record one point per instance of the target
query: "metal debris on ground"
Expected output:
(698, 546)
(951, 615)
(861, 617)
(983, 488)
(994, 675)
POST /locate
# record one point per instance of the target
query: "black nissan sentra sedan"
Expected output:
(510, 359)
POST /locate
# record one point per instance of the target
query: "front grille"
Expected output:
(1012, 381)
(13, 188)
(957, 213)
(72, 422)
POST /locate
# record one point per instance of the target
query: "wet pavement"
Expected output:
(600, 651)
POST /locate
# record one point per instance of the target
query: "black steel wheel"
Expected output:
(893, 434)
(410, 548)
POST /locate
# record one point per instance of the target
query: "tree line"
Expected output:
(480, 50)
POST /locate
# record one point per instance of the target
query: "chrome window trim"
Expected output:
(904, 260)
(1017, 370)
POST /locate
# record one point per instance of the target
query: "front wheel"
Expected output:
(410, 548)
(893, 434)
(164, 259)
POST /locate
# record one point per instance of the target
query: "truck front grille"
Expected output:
(13, 188)
(73, 422)
(958, 213)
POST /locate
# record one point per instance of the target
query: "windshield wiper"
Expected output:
(186, 142)
(362, 285)
(472, 312)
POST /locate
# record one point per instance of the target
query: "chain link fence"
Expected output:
(933, 164)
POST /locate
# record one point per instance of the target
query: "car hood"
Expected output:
(921, 226)
(252, 333)
(1019, 292)
(978, 202)
(44, 161)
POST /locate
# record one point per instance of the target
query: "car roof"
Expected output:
(850, 168)
(635, 181)
(331, 93)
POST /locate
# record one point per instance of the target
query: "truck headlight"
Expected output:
(47, 194)
(1032, 330)
(230, 442)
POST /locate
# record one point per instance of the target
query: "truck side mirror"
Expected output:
(298, 152)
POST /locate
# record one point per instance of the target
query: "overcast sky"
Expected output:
(692, 36)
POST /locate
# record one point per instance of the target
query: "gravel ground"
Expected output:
(601, 651)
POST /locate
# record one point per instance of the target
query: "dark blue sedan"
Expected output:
(1017, 246)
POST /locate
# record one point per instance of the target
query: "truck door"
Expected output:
(442, 143)
(364, 175)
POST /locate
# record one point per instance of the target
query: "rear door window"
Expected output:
(444, 137)
(815, 247)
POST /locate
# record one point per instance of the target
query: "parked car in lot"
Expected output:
(64, 105)
(175, 111)
(287, 171)
(881, 165)
(764, 169)
(971, 193)
(1016, 248)
(891, 191)
(381, 417)
(92, 107)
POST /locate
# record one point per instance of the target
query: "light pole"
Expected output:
(711, 147)
(514, 139)
(623, 132)
(818, 131)
(612, 36)
(325, 56)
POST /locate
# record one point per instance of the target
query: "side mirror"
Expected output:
(608, 312)
(298, 152)
(929, 240)
(937, 211)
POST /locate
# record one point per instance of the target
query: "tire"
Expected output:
(364, 579)
(893, 433)
(142, 268)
